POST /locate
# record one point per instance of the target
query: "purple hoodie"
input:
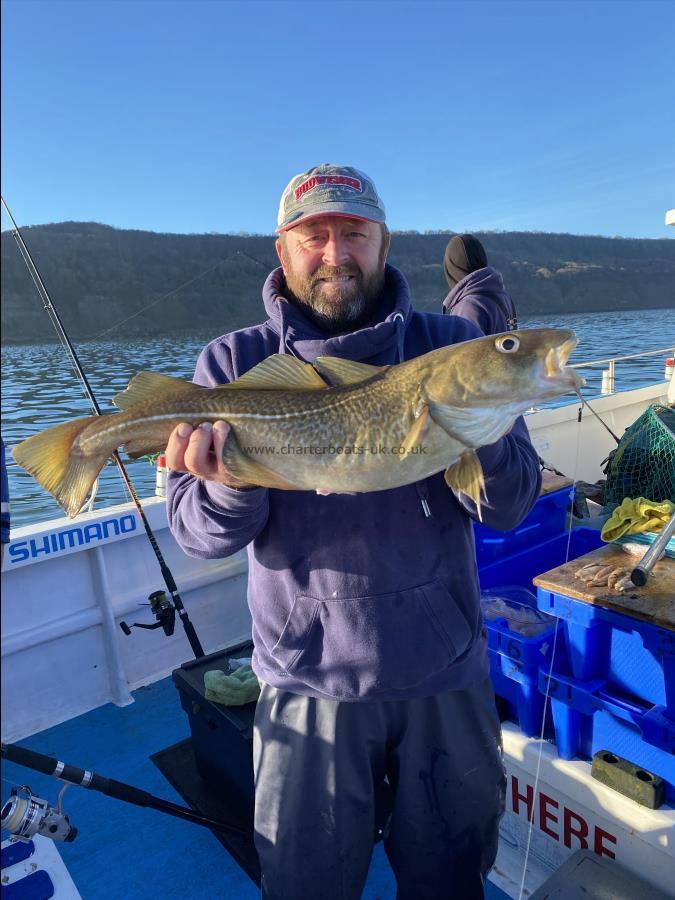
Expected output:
(482, 298)
(366, 596)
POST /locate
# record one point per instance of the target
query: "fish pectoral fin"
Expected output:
(345, 371)
(414, 437)
(251, 471)
(473, 426)
(466, 475)
(279, 373)
(152, 386)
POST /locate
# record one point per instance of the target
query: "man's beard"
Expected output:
(344, 307)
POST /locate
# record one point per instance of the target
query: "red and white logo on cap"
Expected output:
(319, 180)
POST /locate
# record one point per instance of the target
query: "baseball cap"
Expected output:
(329, 190)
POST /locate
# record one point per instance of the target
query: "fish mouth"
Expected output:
(555, 368)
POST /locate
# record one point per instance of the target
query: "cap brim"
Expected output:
(341, 210)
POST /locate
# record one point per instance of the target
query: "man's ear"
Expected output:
(387, 243)
(280, 253)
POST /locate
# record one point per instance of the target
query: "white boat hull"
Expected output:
(63, 651)
(578, 447)
(569, 811)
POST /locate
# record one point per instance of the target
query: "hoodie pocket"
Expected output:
(356, 647)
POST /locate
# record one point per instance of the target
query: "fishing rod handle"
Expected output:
(190, 633)
(48, 765)
(29, 758)
(118, 790)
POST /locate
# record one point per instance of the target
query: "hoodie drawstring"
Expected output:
(285, 347)
(399, 321)
(423, 494)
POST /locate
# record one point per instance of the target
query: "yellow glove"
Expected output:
(636, 516)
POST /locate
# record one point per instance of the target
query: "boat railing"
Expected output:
(608, 374)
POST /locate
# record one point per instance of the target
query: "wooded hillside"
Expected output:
(99, 276)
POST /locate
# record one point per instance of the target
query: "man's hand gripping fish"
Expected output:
(338, 426)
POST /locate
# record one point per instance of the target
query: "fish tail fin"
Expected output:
(67, 474)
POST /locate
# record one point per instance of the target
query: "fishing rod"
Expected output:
(26, 815)
(585, 402)
(162, 608)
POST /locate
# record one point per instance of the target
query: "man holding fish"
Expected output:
(348, 442)
(365, 607)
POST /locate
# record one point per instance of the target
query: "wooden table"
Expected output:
(655, 602)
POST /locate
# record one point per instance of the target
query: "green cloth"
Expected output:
(235, 689)
(636, 516)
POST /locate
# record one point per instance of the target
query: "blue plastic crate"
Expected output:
(518, 645)
(520, 568)
(518, 686)
(634, 657)
(511, 633)
(588, 717)
(546, 519)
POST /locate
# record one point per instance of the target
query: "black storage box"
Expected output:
(222, 736)
(222, 739)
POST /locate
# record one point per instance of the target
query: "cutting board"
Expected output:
(655, 602)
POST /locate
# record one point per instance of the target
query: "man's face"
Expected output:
(334, 269)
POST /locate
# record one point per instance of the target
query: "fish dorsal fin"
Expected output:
(152, 386)
(345, 371)
(279, 373)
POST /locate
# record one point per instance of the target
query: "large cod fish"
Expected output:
(337, 426)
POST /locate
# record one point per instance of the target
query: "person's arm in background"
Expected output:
(4, 493)
(484, 313)
(211, 514)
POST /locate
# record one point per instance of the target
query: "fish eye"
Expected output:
(507, 344)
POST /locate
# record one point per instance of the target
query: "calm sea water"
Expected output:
(40, 388)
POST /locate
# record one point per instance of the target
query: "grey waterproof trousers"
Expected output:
(321, 765)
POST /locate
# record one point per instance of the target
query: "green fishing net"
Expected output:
(643, 464)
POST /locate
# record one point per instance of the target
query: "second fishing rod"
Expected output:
(163, 609)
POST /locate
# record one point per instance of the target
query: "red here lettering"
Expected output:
(598, 847)
(545, 815)
(573, 824)
(516, 797)
(580, 831)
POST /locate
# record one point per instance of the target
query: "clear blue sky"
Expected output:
(192, 116)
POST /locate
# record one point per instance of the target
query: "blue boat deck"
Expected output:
(123, 852)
